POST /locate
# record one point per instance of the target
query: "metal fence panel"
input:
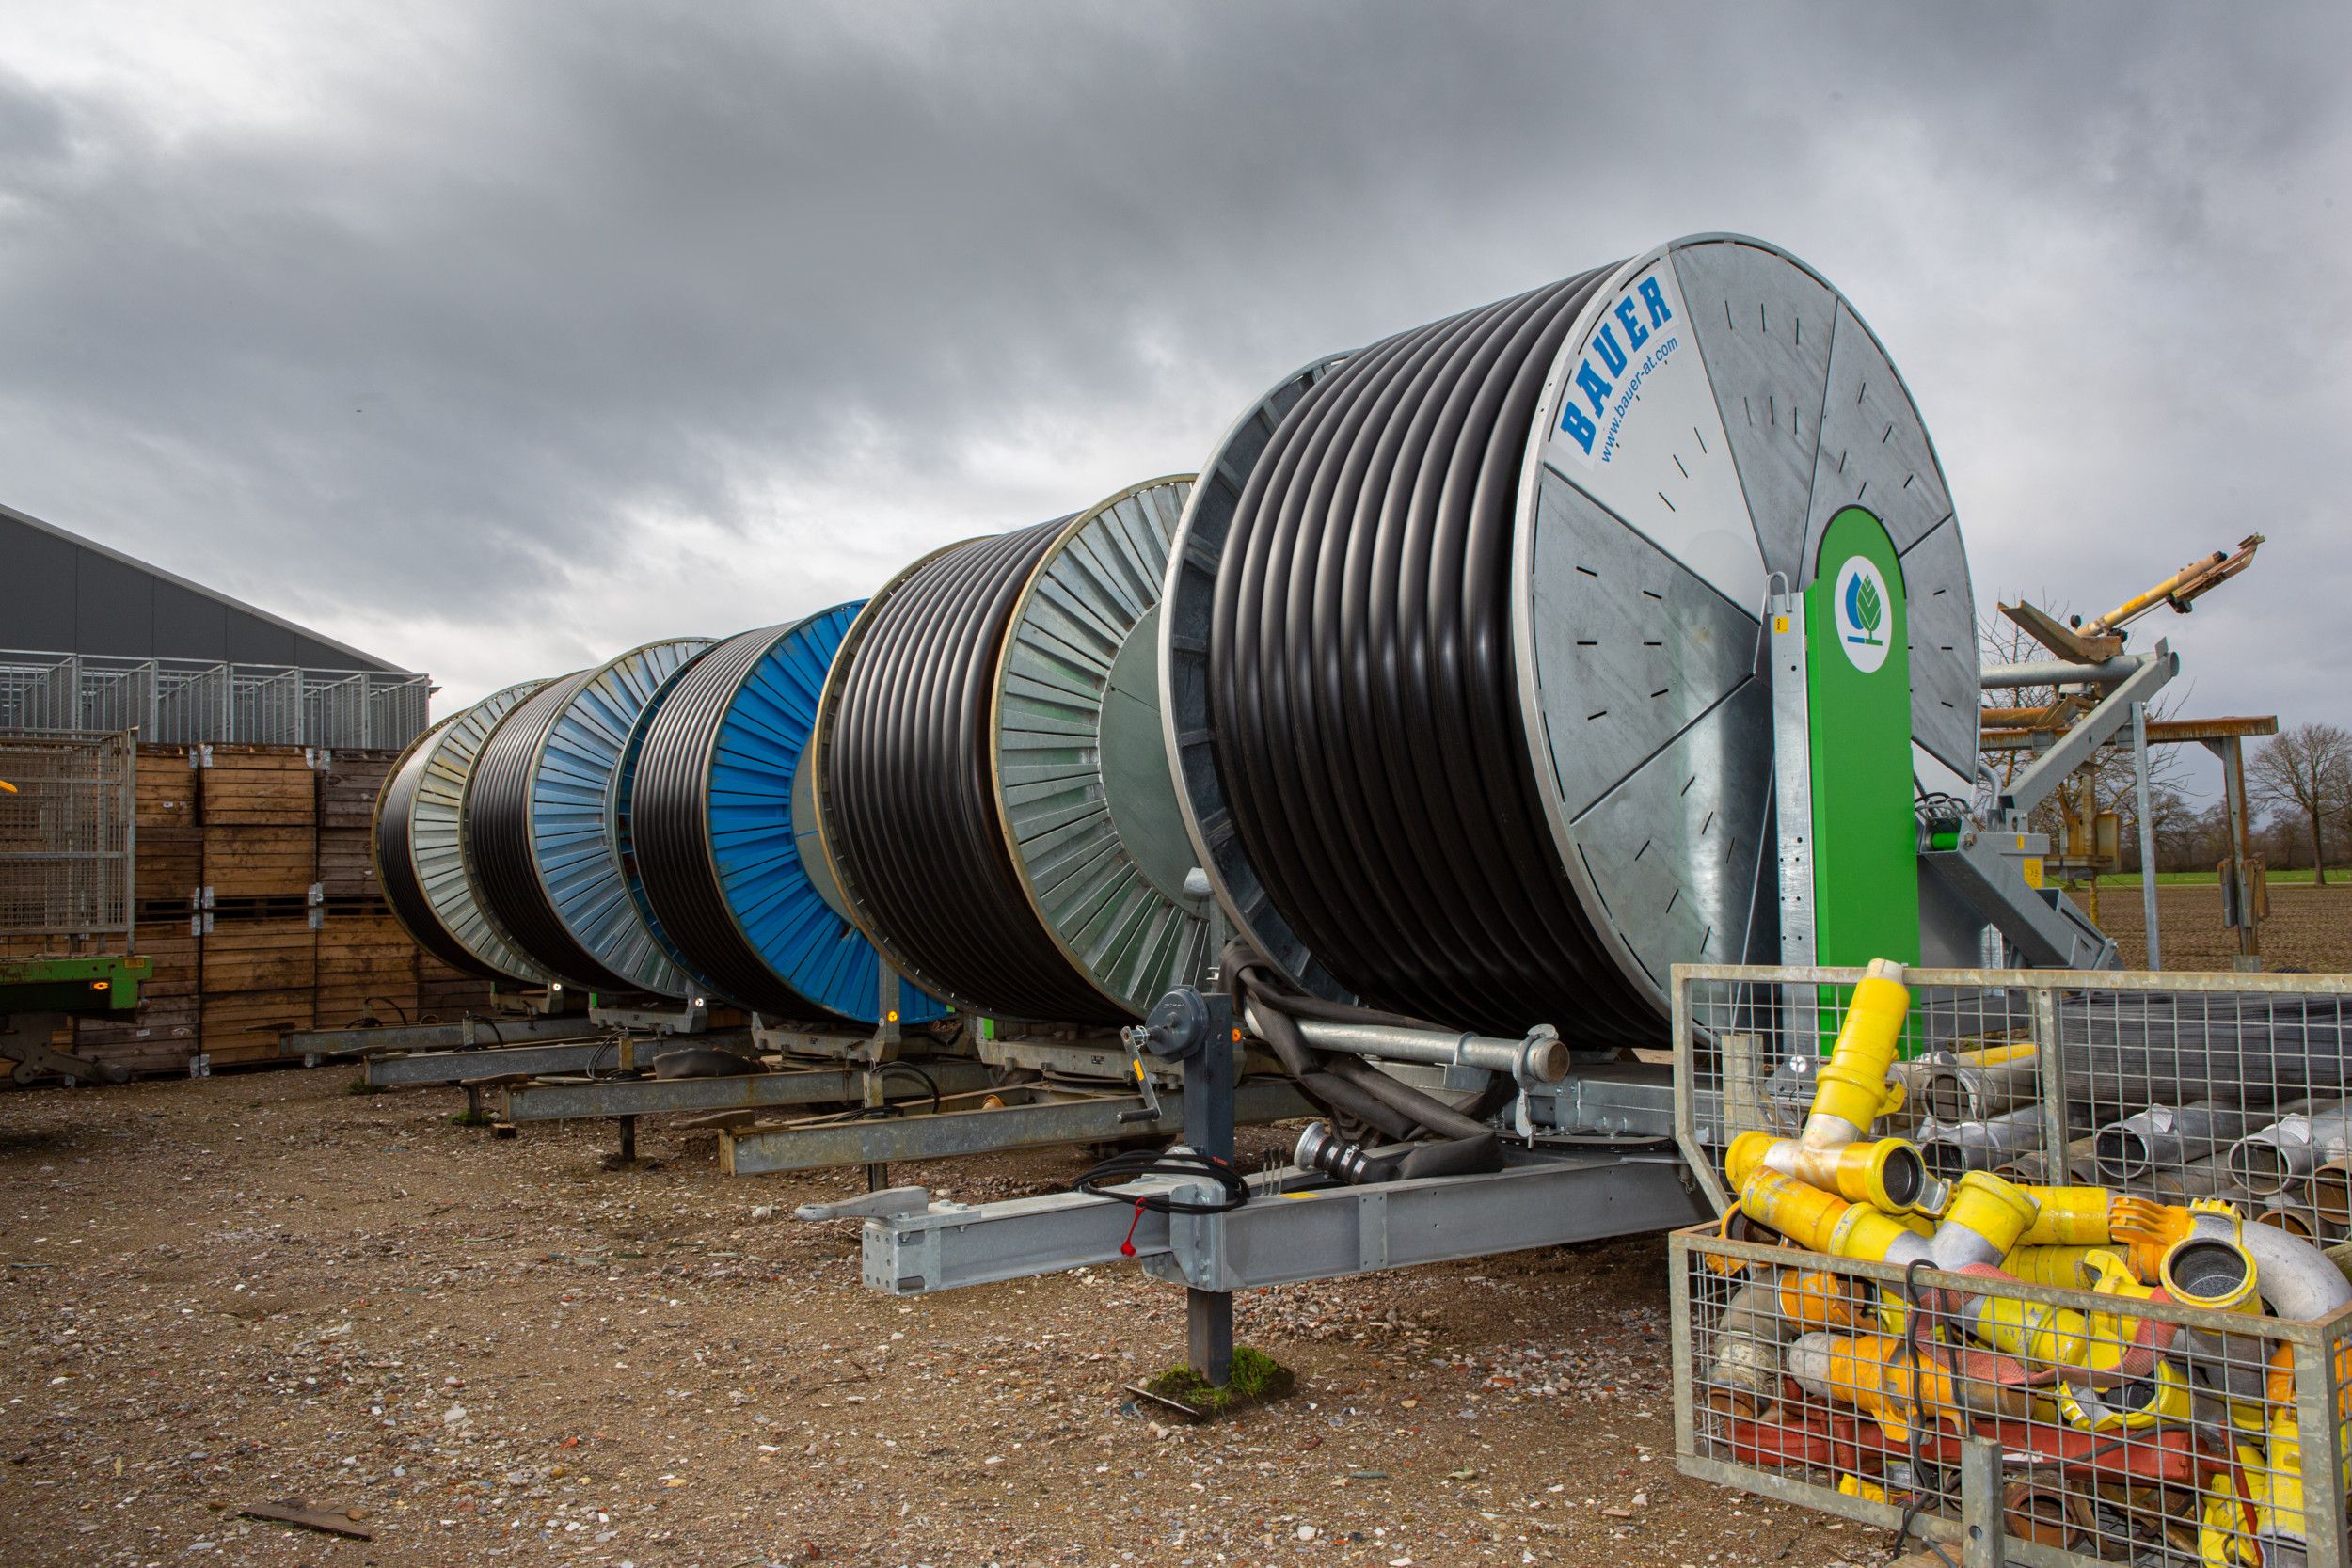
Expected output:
(2178, 1088)
(1860, 1389)
(193, 702)
(2233, 1087)
(66, 850)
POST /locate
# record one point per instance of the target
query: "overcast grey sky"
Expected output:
(496, 338)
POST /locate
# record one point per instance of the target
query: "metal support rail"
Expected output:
(465, 1034)
(579, 1099)
(1294, 1228)
(951, 1134)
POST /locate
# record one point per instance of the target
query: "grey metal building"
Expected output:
(91, 639)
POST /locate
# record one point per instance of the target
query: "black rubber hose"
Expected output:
(496, 828)
(1363, 684)
(1343, 1085)
(908, 782)
(396, 867)
(669, 829)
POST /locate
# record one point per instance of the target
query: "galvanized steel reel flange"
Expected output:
(988, 792)
(1714, 406)
(1080, 755)
(419, 848)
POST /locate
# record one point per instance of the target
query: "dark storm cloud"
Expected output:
(494, 338)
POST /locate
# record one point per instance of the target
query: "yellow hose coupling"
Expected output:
(1998, 1211)
(2068, 1217)
(1852, 1085)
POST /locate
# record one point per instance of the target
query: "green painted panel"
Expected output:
(1865, 852)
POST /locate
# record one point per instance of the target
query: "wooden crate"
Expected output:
(448, 993)
(367, 968)
(258, 786)
(347, 867)
(246, 861)
(243, 1026)
(260, 955)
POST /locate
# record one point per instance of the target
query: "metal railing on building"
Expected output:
(191, 702)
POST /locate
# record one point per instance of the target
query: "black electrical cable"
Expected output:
(1363, 687)
(1180, 1163)
(908, 784)
(497, 827)
(669, 829)
(396, 865)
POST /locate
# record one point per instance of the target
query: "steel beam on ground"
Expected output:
(459, 1035)
(763, 1150)
(579, 1100)
(594, 1054)
(1284, 1236)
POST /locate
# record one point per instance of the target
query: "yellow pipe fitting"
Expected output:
(1999, 1211)
(1823, 1222)
(2231, 1520)
(2161, 1400)
(2068, 1217)
(1889, 1175)
(1852, 1085)
(2194, 1273)
(2068, 1268)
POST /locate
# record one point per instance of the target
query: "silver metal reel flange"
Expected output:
(1713, 407)
(1080, 758)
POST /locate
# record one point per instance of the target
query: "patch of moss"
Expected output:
(360, 1086)
(1257, 1378)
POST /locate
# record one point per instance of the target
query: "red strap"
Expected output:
(1127, 1248)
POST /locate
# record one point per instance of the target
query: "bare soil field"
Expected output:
(2309, 929)
(254, 1288)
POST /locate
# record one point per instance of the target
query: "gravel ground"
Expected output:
(260, 1287)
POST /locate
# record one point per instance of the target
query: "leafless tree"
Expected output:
(2305, 773)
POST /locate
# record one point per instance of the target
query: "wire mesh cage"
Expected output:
(2121, 1425)
(2233, 1086)
(2018, 1421)
(66, 838)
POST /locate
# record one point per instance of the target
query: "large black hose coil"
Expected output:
(906, 792)
(498, 844)
(1367, 726)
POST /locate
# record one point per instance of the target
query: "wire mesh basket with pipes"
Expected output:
(2154, 1375)
(2169, 1087)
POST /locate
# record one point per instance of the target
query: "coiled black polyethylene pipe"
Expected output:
(396, 867)
(497, 825)
(911, 807)
(1364, 695)
(669, 823)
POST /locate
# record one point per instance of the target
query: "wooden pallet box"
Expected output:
(367, 968)
(272, 786)
(270, 955)
(252, 862)
(243, 1026)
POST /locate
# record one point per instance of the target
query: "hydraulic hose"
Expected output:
(1363, 685)
(911, 819)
